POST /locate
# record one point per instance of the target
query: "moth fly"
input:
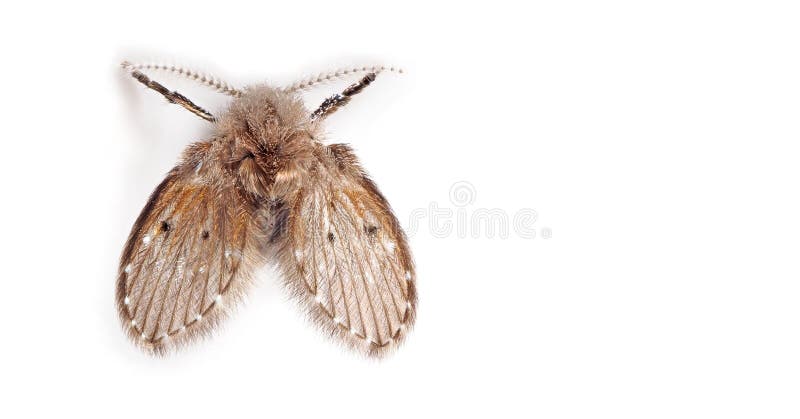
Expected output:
(264, 188)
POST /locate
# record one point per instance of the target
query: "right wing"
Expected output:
(346, 258)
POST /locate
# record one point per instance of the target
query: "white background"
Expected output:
(657, 143)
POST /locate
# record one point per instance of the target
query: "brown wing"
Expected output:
(189, 256)
(347, 259)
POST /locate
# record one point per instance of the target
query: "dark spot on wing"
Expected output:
(371, 230)
(331, 237)
(165, 226)
(204, 235)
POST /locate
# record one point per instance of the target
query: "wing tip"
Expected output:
(355, 341)
(203, 327)
(167, 343)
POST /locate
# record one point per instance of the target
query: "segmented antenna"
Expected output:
(338, 75)
(201, 78)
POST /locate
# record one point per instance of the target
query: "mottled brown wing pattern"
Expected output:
(189, 256)
(347, 257)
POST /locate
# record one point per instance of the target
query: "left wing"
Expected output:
(190, 254)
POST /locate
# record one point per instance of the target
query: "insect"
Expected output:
(265, 189)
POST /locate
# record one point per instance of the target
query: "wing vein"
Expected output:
(338, 273)
(180, 250)
(363, 277)
(202, 255)
(316, 235)
(343, 239)
(383, 275)
(180, 285)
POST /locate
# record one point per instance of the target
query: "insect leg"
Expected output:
(172, 96)
(333, 103)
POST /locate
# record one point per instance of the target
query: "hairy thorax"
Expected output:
(272, 141)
